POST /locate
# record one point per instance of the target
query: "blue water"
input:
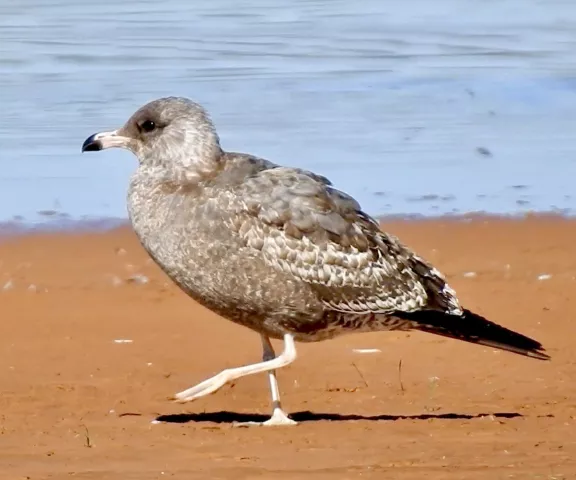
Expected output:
(441, 107)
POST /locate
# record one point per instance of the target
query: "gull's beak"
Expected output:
(102, 140)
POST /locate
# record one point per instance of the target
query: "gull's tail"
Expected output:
(474, 328)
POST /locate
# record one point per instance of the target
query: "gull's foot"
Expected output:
(278, 418)
(202, 389)
(186, 396)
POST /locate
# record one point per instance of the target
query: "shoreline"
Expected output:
(63, 224)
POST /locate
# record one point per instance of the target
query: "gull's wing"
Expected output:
(319, 235)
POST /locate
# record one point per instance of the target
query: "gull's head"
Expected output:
(171, 132)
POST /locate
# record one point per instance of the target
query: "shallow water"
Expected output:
(422, 107)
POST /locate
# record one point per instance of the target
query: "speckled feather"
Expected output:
(266, 245)
(277, 249)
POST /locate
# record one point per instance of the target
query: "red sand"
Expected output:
(75, 404)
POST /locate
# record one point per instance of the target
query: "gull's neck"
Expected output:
(190, 170)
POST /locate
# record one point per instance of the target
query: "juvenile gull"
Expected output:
(276, 249)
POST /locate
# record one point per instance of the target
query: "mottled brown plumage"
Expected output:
(277, 249)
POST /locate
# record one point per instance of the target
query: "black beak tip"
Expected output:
(91, 144)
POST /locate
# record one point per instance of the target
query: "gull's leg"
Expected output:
(279, 417)
(217, 381)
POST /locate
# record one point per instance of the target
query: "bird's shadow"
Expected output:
(307, 416)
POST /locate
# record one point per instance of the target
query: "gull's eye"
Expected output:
(148, 126)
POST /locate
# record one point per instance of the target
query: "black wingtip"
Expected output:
(540, 355)
(473, 328)
(497, 336)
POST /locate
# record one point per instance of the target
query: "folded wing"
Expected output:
(319, 235)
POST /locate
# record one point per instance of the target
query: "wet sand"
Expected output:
(76, 404)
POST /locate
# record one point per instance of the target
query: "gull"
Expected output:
(276, 249)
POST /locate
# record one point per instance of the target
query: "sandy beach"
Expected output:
(94, 339)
